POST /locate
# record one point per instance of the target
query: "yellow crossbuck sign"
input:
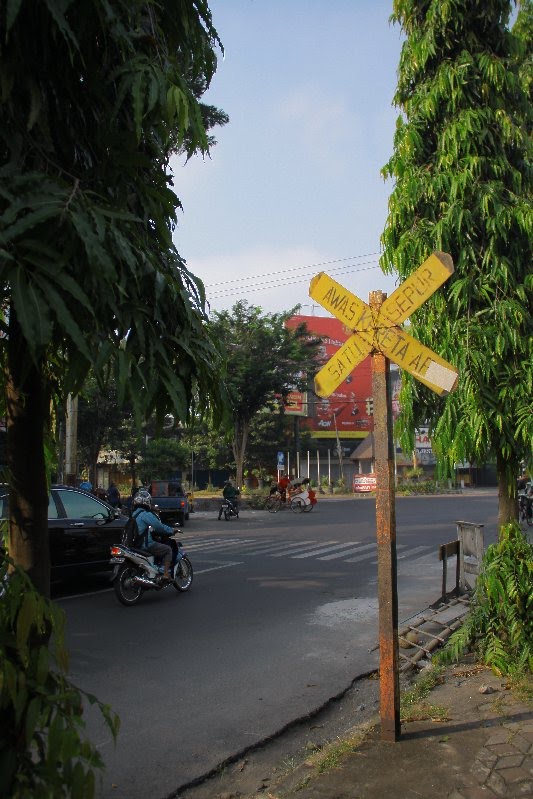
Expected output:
(381, 330)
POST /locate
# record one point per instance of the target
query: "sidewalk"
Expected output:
(483, 749)
(471, 738)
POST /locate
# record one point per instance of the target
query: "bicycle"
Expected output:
(273, 502)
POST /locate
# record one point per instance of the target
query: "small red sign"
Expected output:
(364, 482)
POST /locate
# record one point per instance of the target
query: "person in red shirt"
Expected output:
(283, 485)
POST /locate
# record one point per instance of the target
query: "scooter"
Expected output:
(136, 571)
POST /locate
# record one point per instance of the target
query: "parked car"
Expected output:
(81, 530)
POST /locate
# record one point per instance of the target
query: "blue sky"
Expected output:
(293, 186)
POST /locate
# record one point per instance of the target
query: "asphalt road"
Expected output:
(281, 617)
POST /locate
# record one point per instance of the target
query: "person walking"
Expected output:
(113, 495)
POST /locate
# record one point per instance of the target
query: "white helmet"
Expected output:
(142, 499)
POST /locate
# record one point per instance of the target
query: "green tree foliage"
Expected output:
(207, 447)
(42, 749)
(95, 97)
(99, 416)
(270, 431)
(161, 457)
(264, 359)
(462, 184)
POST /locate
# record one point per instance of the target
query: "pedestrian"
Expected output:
(113, 495)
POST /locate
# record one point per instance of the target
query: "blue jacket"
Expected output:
(145, 518)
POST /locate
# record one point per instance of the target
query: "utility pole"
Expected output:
(389, 681)
(71, 440)
(376, 332)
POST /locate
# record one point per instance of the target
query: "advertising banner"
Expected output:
(346, 411)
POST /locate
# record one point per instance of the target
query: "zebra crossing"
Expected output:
(326, 551)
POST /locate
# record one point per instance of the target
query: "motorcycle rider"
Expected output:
(231, 495)
(147, 522)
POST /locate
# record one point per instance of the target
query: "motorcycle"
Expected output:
(136, 571)
(229, 509)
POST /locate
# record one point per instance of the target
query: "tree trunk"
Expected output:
(133, 472)
(26, 416)
(507, 472)
(93, 470)
(239, 450)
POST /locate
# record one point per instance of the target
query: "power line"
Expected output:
(253, 283)
(295, 269)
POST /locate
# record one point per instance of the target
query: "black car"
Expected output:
(81, 530)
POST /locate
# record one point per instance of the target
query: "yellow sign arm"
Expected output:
(417, 288)
(341, 364)
(417, 359)
(340, 302)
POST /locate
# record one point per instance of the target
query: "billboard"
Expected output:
(423, 449)
(348, 411)
(296, 403)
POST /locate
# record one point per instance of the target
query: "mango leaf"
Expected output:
(64, 317)
(32, 312)
(29, 221)
(33, 713)
(12, 9)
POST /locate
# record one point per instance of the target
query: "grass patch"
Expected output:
(422, 711)
(413, 704)
(520, 682)
(332, 754)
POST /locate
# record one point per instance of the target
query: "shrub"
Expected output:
(42, 752)
(419, 487)
(255, 497)
(499, 626)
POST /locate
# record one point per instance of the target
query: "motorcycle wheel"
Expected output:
(308, 508)
(184, 574)
(226, 515)
(125, 591)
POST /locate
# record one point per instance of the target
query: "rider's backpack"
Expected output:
(131, 537)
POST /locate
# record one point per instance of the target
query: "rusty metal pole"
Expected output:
(386, 541)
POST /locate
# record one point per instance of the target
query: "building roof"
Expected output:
(365, 450)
